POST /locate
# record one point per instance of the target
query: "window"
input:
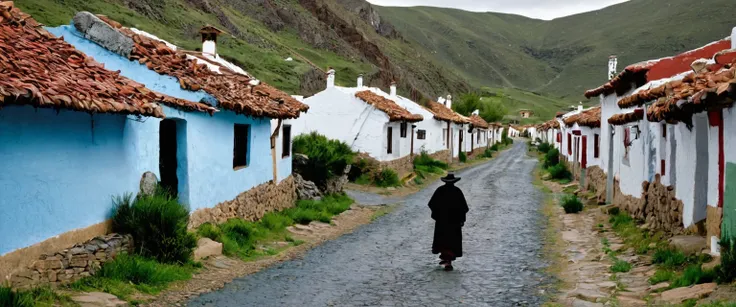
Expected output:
(286, 141)
(569, 144)
(422, 134)
(444, 136)
(240, 148)
(663, 166)
(477, 138)
(390, 139)
(664, 131)
(403, 130)
(596, 146)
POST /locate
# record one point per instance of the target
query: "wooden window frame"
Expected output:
(421, 134)
(403, 127)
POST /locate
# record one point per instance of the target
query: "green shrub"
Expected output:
(620, 266)
(208, 230)
(426, 160)
(488, 153)
(275, 221)
(463, 157)
(559, 171)
(662, 276)
(387, 178)
(693, 275)
(544, 147)
(669, 258)
(571, 203)
(362, 167)
(495, 147)
(158, 224)
(364, 179)
(726, 272)
(327, 158)
(41, 296)
(551, 158)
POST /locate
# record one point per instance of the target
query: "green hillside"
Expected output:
(514, 100)
(565, 56)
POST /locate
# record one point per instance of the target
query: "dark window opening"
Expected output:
(403, 129)
(664, 131)
(663, 166)
(390, 139)
(286, 141)
(240, 146)
(596, 146)
(167, 162)
(569, 144)
(421, 134)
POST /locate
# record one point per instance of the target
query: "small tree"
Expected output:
(327, 158)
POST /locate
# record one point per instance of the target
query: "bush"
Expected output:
(693, 275)
(208, 230)
(669, 258)
(425, 159)
(496, 147)
(662, 276)
(327, 158)
(559, 171)
(387, 178)
(158, 224)
(551, 158)
(571, 203)
(363, 167)
(726, 272)
(488, 153)
(463, 157)
(544, 147)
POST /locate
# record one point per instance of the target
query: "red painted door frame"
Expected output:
(716, 120)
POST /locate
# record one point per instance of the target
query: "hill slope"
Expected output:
(563, 56)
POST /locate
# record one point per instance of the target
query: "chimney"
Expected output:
(476, 112)
(580, 107)
(330, 77)
(393, 88)
(360, 81)
(448, 102)
(612, 63)
(209, 39)
(733, 38)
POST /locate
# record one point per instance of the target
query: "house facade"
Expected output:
(95, 133)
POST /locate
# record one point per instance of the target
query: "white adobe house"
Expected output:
(653, 141)
(582, 141)
(513, 131)
(479, 134)
(367, 119)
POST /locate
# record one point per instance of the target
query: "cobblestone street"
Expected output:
(388, 262)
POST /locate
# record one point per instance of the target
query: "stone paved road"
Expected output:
(388, 263)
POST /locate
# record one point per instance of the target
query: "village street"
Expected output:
(388, 263)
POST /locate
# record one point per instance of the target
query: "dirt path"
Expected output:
(388, 263)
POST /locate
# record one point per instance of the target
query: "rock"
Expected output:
(98, 299)
(336, 185)
(607, 285)
(103, 34)
(148, 184)
(588, 295)
(712, 264)
(625, 301)
(206, 248)
(306, 189)
(659, 286)
(582, 303)
(679, 295)
(689, 245)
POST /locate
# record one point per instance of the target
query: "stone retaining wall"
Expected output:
(402, 166)
(250, 205)
(662, 210)
(595, 180)
(476, 152)
(72, 264)
(443, 155)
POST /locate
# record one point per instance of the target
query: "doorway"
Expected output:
(168, 157)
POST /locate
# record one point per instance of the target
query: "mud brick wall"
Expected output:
(443, 155)
(476, 152)
(662, 211)
(250, 205)
(595, 180)
(633, 205)
(72, 264)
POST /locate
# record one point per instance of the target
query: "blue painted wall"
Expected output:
(58, 173)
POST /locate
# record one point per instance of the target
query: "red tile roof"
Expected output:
(588, 118)
(232, 90)
(550, 124)
(442, 112)
(393, 110)
(39, 69)
(625, 118)
(478, 122)
(658, 69)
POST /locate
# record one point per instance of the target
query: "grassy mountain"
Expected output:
(514, 100)
(564, 56)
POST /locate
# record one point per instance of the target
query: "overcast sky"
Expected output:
(541, 9)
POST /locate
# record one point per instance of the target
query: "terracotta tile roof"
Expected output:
(695, 93)
(588, 118)
(478, 122)
(681, 89)
(393, 110)
(625, 118)
(643, 72)
(39, 69)
(234, 91)
(550, 124)
(442, 112)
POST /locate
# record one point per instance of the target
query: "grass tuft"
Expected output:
(41, 296)
(571, 203)
(620, 266)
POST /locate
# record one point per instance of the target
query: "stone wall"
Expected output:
(402, 166)
(662, 210)
(713, 220)
(476, 152)
(443, 155)
(595, 180)
(72, 264)
(250, 205)
(633, 205)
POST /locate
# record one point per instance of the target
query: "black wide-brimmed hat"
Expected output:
(450, 178)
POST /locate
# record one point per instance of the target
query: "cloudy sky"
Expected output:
(542, 9)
